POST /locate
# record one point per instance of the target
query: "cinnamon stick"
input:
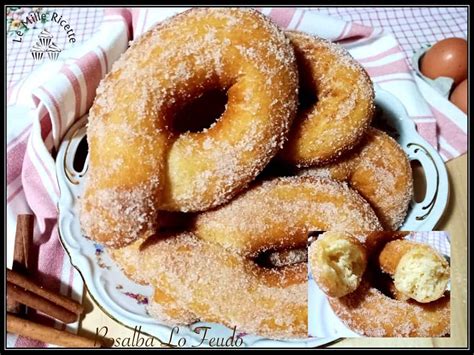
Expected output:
(23, 240)
(22, 281)
(47, 334)
(15, 307)
(39, 303)
(21, 262)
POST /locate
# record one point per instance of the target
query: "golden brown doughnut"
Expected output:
(344, 104)
(338, 261)
(380, 171)
(138, 165)
(418, 270)
(369, 312)
(199, 280)
(280, 212)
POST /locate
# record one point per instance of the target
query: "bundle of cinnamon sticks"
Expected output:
(23, 291)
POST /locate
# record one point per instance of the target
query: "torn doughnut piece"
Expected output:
(418, 270)
(337, 261)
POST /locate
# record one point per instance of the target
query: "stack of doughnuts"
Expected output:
(294, 101)
(383, 285)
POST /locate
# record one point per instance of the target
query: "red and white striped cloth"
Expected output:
(42, 107)
(40, 110)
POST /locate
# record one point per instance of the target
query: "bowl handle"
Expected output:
(423, 215)
(71, 153)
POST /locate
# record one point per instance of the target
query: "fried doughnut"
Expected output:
(380, 171)
(418, 270)
(280, 212)
(338, 261)
(344, 105)
(369, 312)
(223, 287)
(138, 165)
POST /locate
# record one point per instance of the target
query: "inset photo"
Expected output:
(379, 284)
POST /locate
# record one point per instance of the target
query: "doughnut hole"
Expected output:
(307, 98)
(422, 276)
(282, 258)
(201, 113)
(384, 283)
(339, 262)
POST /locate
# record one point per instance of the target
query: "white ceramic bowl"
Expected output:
(124, 301)
(425, 214)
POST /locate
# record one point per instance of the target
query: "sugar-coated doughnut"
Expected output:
(138, 165)
(198, 280)
(369, 312)
(280, 212)
(418, 270)
(337, 261)
(343, 107)
(380, 171)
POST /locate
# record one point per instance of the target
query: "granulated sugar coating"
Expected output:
(344, 102)
(280, 213)
(199, 280)
(380, 171)
(369, 312)
(135, 158)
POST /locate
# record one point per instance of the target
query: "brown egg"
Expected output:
(459, 96)
(446, 58)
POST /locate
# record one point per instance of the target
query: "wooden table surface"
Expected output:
(454, 221)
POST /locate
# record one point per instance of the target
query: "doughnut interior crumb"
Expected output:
(422, 275)
(340, 263)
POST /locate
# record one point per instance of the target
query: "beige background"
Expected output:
(454, 221)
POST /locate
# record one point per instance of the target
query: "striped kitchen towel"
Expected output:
(40, 110)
